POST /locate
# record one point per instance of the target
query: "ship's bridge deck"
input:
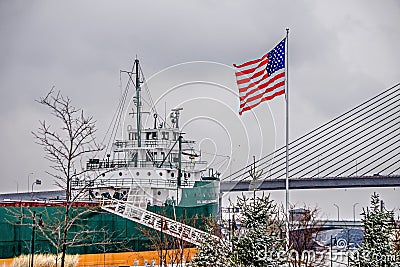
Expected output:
(94, 164)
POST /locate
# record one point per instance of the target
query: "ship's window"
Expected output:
(151, 135)
(130, 136)
(159, 193)
(103, 174)
(151, 156)
(189, 175)
(120, 173)
(172, 174)
(165, 135)
(135, 137)
(176, 136)
(160, 173)
(137, 173)
(149, 173)
(185, 175)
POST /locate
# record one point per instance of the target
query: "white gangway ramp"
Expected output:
(134, 209)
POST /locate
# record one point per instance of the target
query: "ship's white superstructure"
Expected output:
(158, 159)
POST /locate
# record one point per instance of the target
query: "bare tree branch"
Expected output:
(65, 148)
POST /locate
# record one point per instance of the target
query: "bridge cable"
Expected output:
(324, 140)
(344, 117)
(331, 142)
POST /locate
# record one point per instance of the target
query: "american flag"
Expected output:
(261, 79)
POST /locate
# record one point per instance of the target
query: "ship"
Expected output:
(155, 169)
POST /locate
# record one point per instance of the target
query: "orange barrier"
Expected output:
(132, 258)
(5, 262)
(125, 258)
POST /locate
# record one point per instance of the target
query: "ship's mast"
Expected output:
(180, 161)
(138, 104)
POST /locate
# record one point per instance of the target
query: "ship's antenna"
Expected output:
(175, 114)
(150, 102)
(138, 102)
(165, 114)
(113, 127)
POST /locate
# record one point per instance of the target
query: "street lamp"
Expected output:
(35, 223)
(354, 212)
(17, 185)
(338, 210)
(333, 242)
(38, 182)
(31, 173)
(33, 238)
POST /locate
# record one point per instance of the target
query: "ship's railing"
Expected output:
(157, 222)
(93, 164)
(127, 182)
(145, 143)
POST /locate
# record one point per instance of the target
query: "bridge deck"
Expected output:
(313, 183)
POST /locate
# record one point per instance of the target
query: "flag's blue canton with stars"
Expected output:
(276, 58)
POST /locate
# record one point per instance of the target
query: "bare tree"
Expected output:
(168, 247)
(66, 148)
(305, 226)
(397, 238)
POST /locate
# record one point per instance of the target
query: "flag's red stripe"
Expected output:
(262, 94)
(245, 80)
(269, 89)
(250, 86)
(263, 85)
(255, 75)
(281, 92)
(255, 89)
(251, 62)
(249, 71)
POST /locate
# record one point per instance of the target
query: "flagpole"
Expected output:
(287, 137)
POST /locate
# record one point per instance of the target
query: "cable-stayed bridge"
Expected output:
(360, 148)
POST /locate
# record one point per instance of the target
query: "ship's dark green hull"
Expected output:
(101, 232)
(98, 231)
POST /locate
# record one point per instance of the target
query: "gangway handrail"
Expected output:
(156, 221)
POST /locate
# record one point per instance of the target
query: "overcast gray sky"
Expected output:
(341, 53)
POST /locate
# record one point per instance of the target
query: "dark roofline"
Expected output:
(39, 195)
